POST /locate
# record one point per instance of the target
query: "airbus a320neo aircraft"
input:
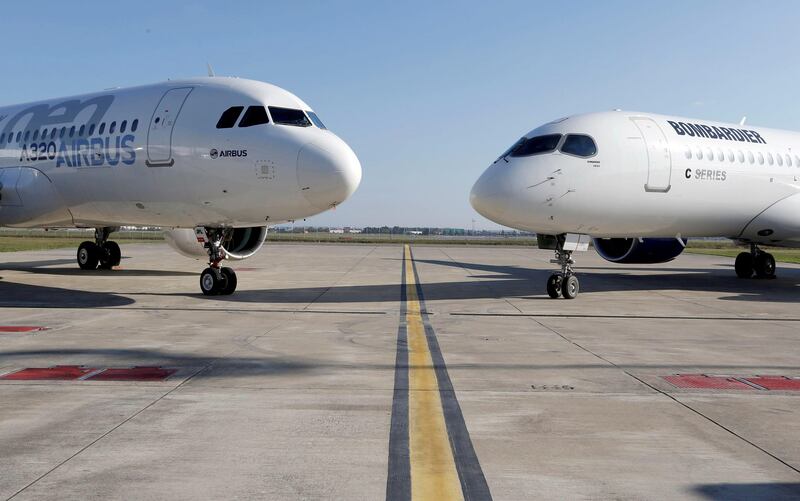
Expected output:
(639, 184)
(214, 160)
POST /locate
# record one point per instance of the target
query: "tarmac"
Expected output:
(379, 372)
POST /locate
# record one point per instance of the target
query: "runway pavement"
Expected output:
(380, 372)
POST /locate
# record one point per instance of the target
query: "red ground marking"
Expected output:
(21, 328)
(59, 372)
(133, 374)
(776, 382)
(701, 381)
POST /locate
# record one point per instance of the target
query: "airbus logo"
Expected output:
(214, 153)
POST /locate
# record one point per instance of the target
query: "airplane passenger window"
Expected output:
(536, 145)
(314, 118)
(91, 130)
(123, 126)
(288, 116)
(81, 130)
(112, 127)
(788, 161)
(779, 159)
(229, 117)
(44, 134)
(699, 154)
(740, 156)
(760, 158)
(720, 155)
(27, 135)
(36, 134)
(135, 125)
(750, 157)
(72, 131)
(797, 160)
(63, 131)
(19, 136)
(255, 115)
(730, 156)
(770, 160)
(579, 145)
(102, 128)
(688, 153)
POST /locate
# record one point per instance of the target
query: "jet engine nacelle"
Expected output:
(638, 251)
(241, 244)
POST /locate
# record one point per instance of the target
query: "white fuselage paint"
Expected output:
(177, 169)
(647, 180)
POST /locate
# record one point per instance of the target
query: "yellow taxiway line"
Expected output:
(433, 467)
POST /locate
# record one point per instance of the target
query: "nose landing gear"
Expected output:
(216, 280)
(565, 283)
(102, 253)
(756, 261)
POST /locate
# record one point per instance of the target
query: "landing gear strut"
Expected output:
(565, 283)
(216, 281)
(102, 253)
(756, 261)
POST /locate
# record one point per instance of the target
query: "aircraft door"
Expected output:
(162, 124)
(659, 159)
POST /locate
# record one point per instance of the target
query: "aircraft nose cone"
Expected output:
(328, 172)
(488, 196)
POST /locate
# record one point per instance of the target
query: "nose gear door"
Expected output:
(659, 159)
(162, 125)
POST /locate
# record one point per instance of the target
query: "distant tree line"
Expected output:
(405, 230)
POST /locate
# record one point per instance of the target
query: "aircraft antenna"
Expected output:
(210, 70)
(742, 121)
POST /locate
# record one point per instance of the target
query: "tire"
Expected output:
(110, 256)
(88, 255)
(212, 281)
(744, 265)
(765, 265)
(114, 253)
(230, 281)
(571, 287)
(554, 286)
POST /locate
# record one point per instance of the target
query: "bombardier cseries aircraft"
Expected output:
(638, 185)
(214, 160)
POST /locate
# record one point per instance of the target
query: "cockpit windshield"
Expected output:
(508, 151)
(288, 116)
(536, 145)
(314, 118)
(579, 145)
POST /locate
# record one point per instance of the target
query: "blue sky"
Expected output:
(427, 93)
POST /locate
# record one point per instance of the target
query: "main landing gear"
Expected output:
(216, 281)
(564, 284)
(756, 261)
(102, 253)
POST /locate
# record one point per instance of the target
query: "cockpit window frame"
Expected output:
(564, 140)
